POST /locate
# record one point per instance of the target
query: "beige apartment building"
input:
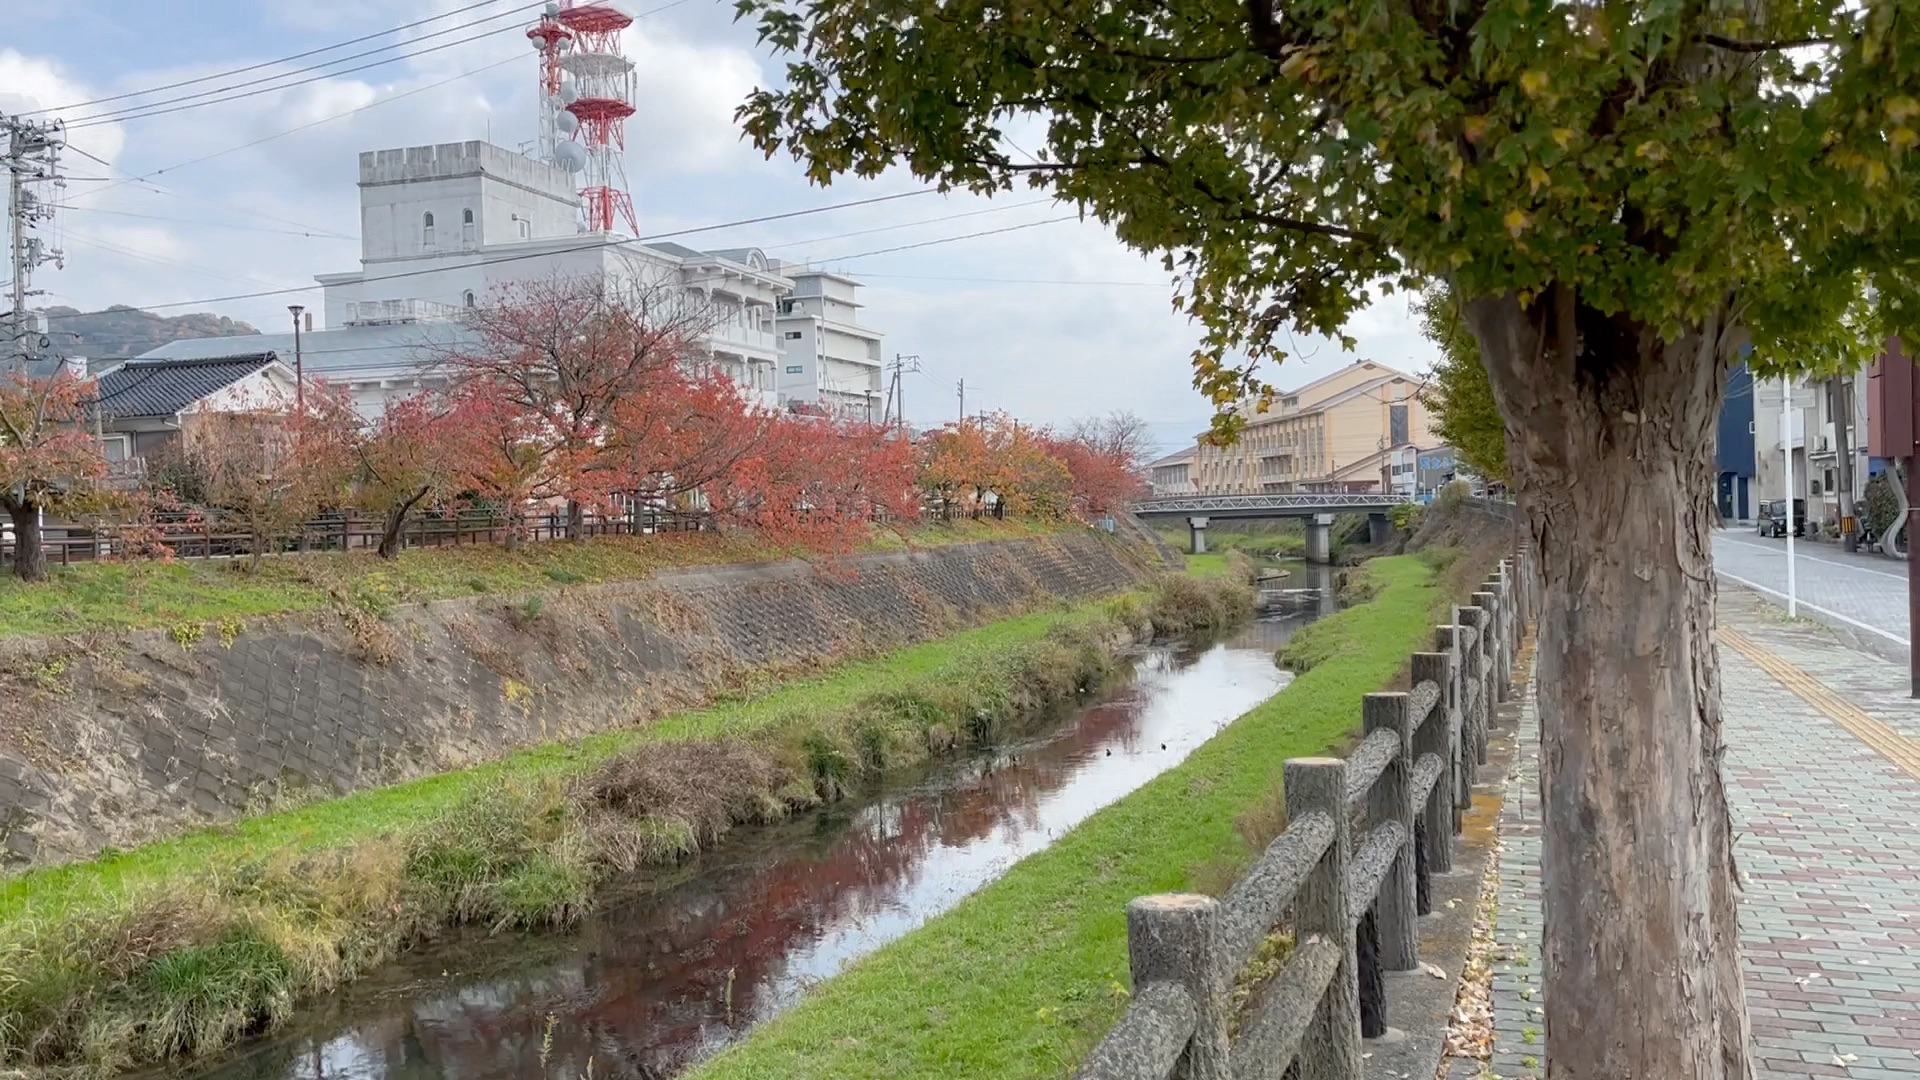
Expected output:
(1337, 433)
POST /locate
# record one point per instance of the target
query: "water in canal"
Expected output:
(658, 981)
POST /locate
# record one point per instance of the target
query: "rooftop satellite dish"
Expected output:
(553, 9)
(569, 93)
(568, 123)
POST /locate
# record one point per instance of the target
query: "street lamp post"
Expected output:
(299, 368)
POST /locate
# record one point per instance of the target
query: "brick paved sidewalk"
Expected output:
(1823, 768)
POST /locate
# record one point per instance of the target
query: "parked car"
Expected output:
(1773, 517)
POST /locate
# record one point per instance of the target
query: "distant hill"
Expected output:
(121, 332)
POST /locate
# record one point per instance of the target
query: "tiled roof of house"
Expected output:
(166, 387)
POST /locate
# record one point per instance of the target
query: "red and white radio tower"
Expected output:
(586, 95)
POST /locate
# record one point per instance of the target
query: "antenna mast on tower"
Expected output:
(586, 95)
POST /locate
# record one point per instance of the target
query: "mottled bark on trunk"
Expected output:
(1610, 440)
(29, 554)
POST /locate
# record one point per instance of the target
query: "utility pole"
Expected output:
(299, 367)
(897, 389)
(963, 401)
(1840, 407)
(1786, 452)
(31, 157)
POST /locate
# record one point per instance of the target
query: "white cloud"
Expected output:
(685, 96)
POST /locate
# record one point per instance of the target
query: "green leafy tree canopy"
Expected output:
(1458, 392)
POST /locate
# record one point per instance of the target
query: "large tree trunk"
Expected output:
(396, 523)
(29, 555)
(1610, 437)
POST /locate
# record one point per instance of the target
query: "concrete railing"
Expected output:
(1364, 836)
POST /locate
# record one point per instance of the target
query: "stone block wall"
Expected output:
(118, 740)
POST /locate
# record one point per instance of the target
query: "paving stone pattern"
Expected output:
(1829, 853)
(145, 736)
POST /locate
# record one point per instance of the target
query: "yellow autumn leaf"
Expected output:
(1298, 64)
(1533, 82)
(1563, 136)
(1517, 221)
(1902, 108)
(1455, 168)
(1474, 127)
(1588, 249)
(1902, 137)
(1652, 150)
(1876, 174)
(1536, 179)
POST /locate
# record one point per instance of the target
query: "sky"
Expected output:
(1047, 319)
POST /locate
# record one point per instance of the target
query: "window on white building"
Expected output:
(466, 229)
(426, 230)
(467, 298)
(793, 335)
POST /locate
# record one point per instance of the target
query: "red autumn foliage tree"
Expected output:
(269, 470)
(995, 458)
(553, 364)
(49, 461)
(405, 462)
(1106, 458)
(818, 482)
(953, 465)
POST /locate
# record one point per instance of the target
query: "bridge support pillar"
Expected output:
(1197, 532)
(1379, 529)
(1320, 539)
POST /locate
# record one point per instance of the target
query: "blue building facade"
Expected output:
(1733, 451)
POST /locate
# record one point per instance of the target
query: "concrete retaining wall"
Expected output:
(118, 740)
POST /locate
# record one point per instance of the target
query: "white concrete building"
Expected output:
(1812, 437)
(445, 227)
(826, 357)
(1172, 475)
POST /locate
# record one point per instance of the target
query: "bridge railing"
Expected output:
(1364, 837)
(1292, 500)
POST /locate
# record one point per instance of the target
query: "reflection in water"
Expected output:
(653, 984)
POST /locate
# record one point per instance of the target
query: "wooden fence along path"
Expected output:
(1355, 893)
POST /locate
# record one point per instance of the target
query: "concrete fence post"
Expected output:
(1330, 1049)
(1391, 799)
(1480, 672)
(1175, 938)
(1454, 694)
(1491, 598)
(1436, 815)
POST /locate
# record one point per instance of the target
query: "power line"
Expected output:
(1021, 281)
(906, 224)
(145, 112)
(327, 235)
(951, 239)
(144, 178)
(261, 64)
(624, 241)
(502, 62)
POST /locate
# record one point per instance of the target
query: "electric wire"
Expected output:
(262, 64)
(622, 242)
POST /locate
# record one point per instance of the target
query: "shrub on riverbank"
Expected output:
(181, 948)
(1022, 977)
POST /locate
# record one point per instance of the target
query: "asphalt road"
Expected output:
(1865, 592)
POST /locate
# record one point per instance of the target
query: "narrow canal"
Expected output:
(656, 982)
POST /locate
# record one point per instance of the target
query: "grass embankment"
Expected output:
(138, 594)
(1022, 977)
(178, 948)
